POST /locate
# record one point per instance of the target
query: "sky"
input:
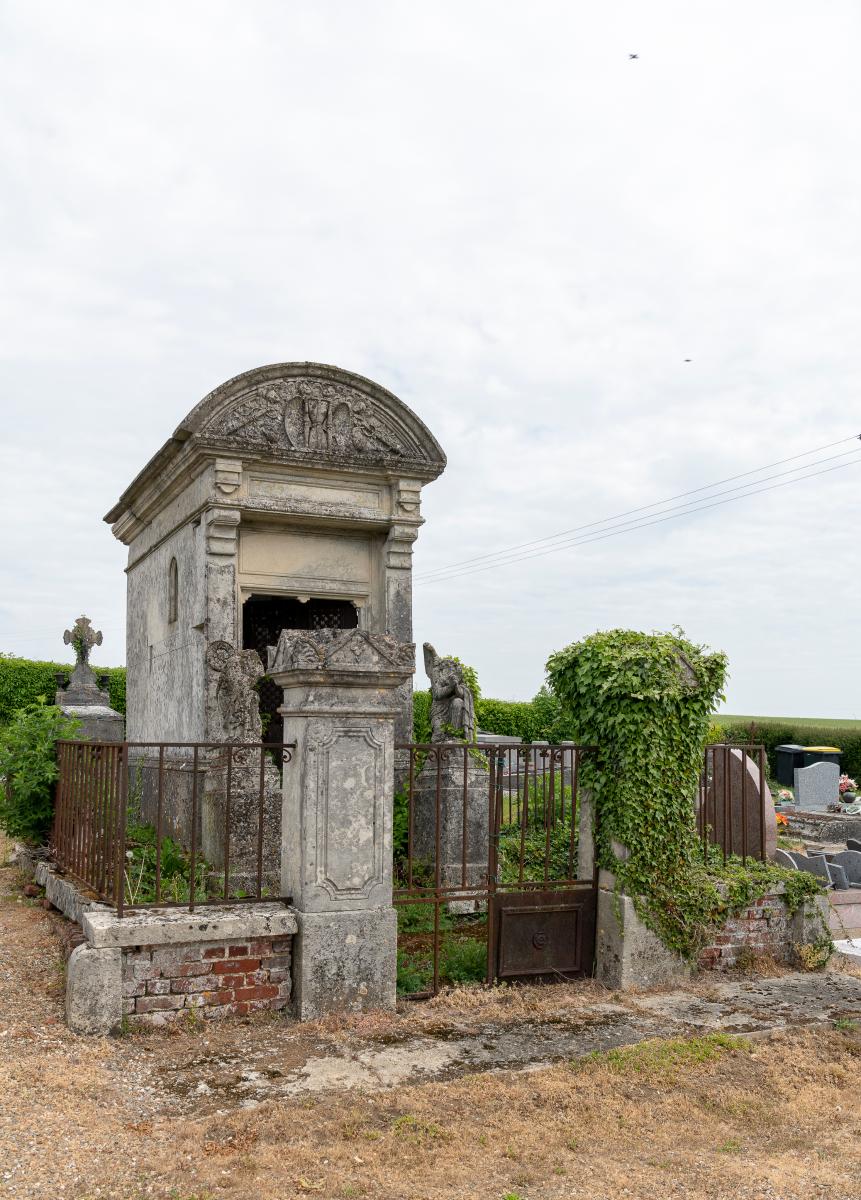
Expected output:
(495, 212)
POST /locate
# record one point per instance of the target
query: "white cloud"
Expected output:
(495, 213)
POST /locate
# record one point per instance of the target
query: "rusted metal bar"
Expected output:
(229, 781)
(260, 799)
(193, 852)
(762, 810)
(743, 809)
(158, 822)
(411, 816)
(726, 802)
(122, 818)
(464, 798)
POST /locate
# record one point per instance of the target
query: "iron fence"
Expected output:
(169, 824)
(472, 822)
(734, 802)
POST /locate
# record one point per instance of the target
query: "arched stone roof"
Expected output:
(314, 410)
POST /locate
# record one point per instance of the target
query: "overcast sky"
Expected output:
(493, 211)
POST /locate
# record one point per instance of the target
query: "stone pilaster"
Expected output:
(340, 707)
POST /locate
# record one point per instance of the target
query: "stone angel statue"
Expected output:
(453, 706)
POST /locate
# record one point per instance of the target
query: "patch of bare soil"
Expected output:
(127, 1118)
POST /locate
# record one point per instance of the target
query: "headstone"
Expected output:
(850, 861)
(814, 865)
(751, 810)
(817, 786)
(784, 859)
(82, 698)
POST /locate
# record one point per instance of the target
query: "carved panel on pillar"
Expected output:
(348, 769)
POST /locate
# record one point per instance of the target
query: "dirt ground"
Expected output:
(206, 1112)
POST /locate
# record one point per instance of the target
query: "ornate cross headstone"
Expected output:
(82, 698)
(83, 637)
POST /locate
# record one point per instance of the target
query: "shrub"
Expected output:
(23, 681)
(644, 701)
(28, 769)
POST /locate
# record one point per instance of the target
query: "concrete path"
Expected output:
(746, 1006)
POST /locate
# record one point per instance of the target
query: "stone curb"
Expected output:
(168, 926)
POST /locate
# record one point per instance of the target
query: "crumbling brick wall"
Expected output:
(164, 983)
(764, 927)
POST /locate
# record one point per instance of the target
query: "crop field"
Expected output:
(818, 722)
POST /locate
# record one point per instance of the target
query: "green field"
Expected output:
(820, 722)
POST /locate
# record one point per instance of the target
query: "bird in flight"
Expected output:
(633, 56)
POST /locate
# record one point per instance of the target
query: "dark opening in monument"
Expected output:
(263, 618)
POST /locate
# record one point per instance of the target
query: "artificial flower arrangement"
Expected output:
(847, 785)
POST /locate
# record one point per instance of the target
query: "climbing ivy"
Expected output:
(644, 702)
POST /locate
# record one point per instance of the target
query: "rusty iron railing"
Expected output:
(734, 803)
(473, 822)
(99, 823)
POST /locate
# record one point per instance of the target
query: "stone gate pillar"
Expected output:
(340, 707)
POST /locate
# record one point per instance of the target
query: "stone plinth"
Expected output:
(340, 706)
(463, 809)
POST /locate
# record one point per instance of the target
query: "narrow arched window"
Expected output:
(172, 592)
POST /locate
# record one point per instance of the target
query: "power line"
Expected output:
(503, 556)
(600, 537)
(643, 508)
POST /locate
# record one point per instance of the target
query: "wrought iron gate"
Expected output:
(493, 878)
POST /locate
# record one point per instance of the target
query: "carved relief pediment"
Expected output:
(340, 650)
(318, 417)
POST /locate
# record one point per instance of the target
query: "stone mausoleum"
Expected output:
(288, 498)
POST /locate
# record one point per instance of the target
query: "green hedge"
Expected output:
(771, 733)
(540, 719)
(23, 681)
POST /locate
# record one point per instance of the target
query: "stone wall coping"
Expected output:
(169, 926)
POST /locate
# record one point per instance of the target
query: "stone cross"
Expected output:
(83, 637)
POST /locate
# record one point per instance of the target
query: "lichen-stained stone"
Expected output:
(94, 983)
(296, 480)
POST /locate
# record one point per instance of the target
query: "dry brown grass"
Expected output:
(81, 1117)
(775, 1119)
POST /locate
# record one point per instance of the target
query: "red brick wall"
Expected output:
(163, 983)
(763, 928)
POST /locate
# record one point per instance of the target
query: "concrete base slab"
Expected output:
(344, 962)
(627, 953)
(94, 990)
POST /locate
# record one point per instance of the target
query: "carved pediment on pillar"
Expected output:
(337, 650)
(316, 412)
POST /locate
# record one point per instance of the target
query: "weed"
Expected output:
(464, 961)
(730, 1146)
(812, 956)
(663, 1055)
(845, 1023)
(415, 973)
(413, 1130)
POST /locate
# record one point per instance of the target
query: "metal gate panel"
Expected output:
(544, 933)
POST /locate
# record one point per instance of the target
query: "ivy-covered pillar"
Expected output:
(644, 700)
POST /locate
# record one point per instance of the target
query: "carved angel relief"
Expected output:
(312, 415)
